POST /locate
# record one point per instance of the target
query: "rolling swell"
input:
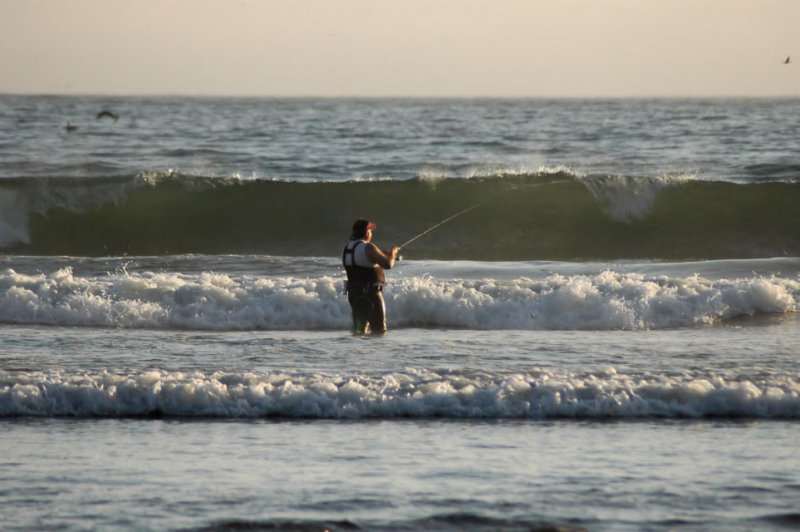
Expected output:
(547, 215)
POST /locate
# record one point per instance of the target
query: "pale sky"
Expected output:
(427, 48)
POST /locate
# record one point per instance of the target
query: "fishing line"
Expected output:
(456, 215)
(431, 228)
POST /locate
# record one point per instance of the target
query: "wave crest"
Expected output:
(538, 394)
(551, 214)
(212, 301)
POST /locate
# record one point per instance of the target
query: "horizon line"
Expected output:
(399, 96)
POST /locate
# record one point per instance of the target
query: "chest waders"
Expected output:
(364, 292)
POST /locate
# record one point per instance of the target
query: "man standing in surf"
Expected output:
(364, 263)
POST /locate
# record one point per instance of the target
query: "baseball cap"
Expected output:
(362, 225)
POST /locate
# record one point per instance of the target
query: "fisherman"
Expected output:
(364, 263)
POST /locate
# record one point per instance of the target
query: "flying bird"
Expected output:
(107, 114)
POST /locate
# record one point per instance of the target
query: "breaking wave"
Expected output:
(542, 215)
(217, 301)
(537, 394)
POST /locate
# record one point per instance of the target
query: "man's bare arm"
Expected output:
(384, 259)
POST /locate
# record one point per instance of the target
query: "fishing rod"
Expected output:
(431, 228)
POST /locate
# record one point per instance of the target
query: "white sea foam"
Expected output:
(433, 173)
(411, 393)
(605, 301)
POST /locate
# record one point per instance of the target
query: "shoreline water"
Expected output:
(400, 475)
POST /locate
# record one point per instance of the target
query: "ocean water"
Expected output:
(606, 337)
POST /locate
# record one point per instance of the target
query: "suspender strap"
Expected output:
(351, 252)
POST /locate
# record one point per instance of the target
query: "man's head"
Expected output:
(362, 229)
